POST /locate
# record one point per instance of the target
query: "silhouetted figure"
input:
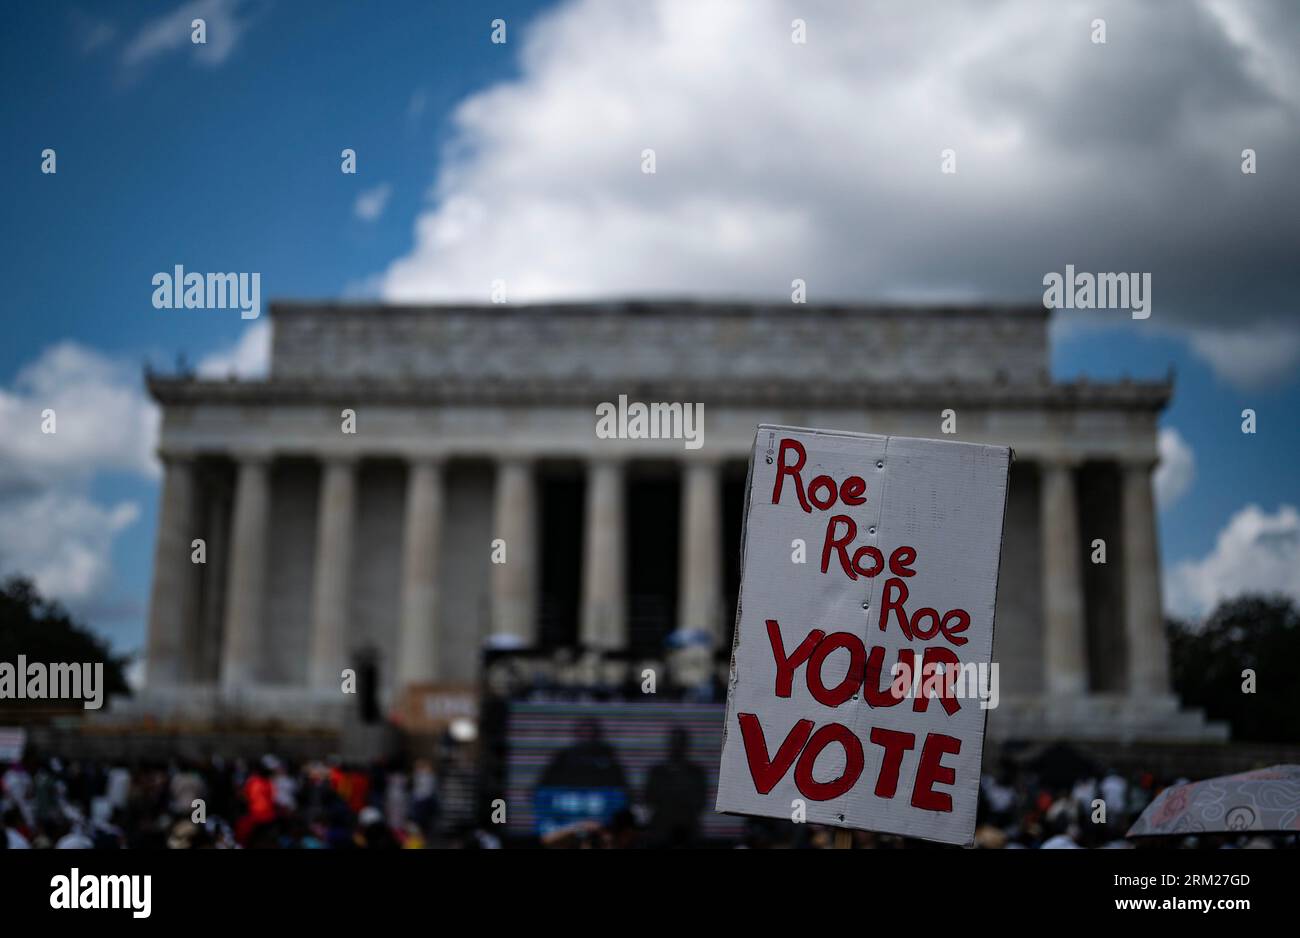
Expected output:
(583, 781)
(589, 763)
(676, 792)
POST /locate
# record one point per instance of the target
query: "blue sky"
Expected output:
(232, 166)
(227, 158)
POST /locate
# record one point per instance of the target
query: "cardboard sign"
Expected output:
(431, 708)
(860, 658)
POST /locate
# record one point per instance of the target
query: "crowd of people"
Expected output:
(392, 804)
(218, 803)
(1024, 810)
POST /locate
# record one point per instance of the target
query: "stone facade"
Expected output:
(322, 542)
(631, 342)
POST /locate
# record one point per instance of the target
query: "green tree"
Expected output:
(1256, 633)
(43, 631)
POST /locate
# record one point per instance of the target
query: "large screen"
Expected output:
(571, 762)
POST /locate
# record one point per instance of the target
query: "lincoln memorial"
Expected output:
(355, 504)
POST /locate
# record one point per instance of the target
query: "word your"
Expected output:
(103, 891)
(1099, 291)
(936, 674)
(59, 681)
(179, 290)
(637, 421)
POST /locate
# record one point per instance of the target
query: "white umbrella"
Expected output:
(1260, 801)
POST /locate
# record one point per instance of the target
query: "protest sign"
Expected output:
(864, 632)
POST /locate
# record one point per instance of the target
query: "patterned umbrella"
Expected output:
(1259, 801)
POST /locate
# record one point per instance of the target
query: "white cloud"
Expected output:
(249, 357)
(63, 541)
(134, 674)
(226, 21)
(371, 202)
(50, 527)
(1177, 467)
(822, 161)
(1256, 552)
(1250, 357)
(102, 419)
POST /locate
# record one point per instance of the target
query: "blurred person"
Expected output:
(118, 787)
(1084, 791)
(186, 835)
(583, 781)
(677, 792)
(106, 834)
(16, 786)
(1114, 791)
(79, 785)
(306, 836)
(1062, 809)
(351, 784)
(259, 798)
(589, 762)
(622, 832)
(360, 789)
(424, 796)
(284, 787)
(397, 800)
(373, 832)
(69, 835)
(47, 790)
(1258, 843)
(1064, 835)
(999, 796)
(317, 797)
(339, 833)
(1141, 794)
(413, 837)
(14, 829)
(186, 787)
(220, 781)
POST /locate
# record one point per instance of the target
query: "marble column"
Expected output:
(604, 602)
(246, 583)
(417, 660)
(514, 603)
(175, 576)
(1065, 641)
(1147, 650)
(700, 552)
(332, 577)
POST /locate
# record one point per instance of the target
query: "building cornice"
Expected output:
(658, 308)
(1078, 395)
